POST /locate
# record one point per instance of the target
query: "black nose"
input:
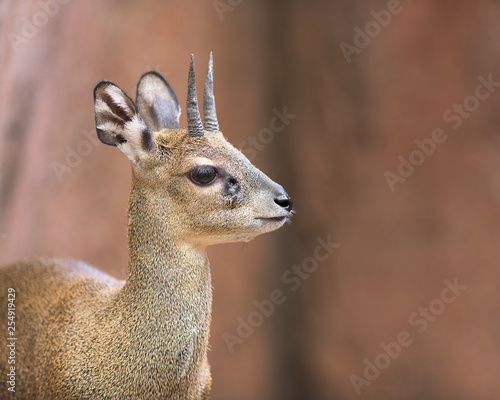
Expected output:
(284, 201)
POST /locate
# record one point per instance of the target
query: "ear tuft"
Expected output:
(119, 124)
(157, 102)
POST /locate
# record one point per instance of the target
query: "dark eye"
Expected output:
(203, 175)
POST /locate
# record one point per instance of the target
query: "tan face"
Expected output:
(216, 193)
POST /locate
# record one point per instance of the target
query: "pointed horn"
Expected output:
(195, 126)
(209, 112)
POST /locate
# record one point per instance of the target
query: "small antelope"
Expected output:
(76, 333)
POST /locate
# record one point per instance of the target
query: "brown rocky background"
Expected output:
(362, 106)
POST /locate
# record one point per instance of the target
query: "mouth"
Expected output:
(277, 219)
(264, 224)
(281, 220)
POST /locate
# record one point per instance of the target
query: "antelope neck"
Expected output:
(156, 256)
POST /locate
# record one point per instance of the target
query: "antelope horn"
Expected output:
(209, 112)
(195, 126)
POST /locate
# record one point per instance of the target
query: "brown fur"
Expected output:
(82, 334)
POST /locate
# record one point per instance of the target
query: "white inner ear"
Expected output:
(131, 131)
(133, 147)
(101, 107)
(119, 100)
(110, 127)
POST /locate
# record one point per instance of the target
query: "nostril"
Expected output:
(284, 201)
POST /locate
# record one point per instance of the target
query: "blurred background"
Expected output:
(389, 145)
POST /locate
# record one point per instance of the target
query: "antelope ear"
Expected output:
(119, 124)
(157, 102)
